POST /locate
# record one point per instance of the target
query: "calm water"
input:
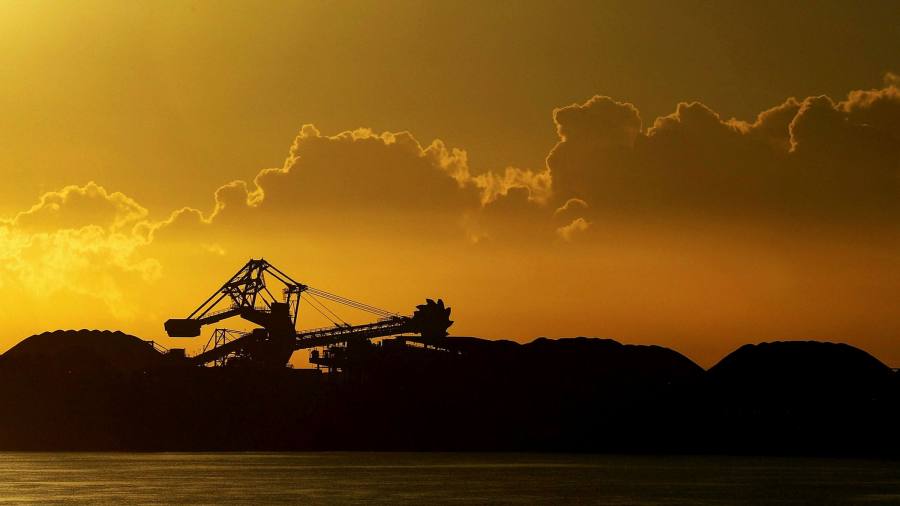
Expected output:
(341, 478)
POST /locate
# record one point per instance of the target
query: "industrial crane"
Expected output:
(274, 340)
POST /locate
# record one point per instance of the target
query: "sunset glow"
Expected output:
(686, 174)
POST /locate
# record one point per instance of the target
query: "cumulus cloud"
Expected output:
(811, 160)
(601, 122)
(571, 205)
(577, 225)
(360, 179)
(82, 240)
(494, 185)
(78, 206)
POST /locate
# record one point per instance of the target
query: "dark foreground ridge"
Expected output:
(101, 390)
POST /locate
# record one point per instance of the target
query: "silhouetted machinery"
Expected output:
(247, 295)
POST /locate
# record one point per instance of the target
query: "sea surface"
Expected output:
(440, 478)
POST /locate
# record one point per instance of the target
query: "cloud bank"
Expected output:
(803, 162)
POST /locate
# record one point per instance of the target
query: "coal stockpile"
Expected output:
(101, 390)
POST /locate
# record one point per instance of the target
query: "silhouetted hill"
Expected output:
(100, 390)
(785, 363)
(612, 358)
(83, 349)
(817, 397)
(598, 357)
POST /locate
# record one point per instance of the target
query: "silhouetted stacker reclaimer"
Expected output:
(247, 295)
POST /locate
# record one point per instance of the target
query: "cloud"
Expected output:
(361, 181)
(77, 206)
(891, 79)
(803, 161)
(571, 205)
(349, 172)
(81, 240)
(577, 225)
(538, 184)
(601, 122)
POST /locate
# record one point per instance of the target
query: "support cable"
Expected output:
(320, 311)
(328, 309)
(352, 303)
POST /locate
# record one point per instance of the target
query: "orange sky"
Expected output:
(735, 177)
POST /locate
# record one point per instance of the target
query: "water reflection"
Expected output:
(342, 478)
